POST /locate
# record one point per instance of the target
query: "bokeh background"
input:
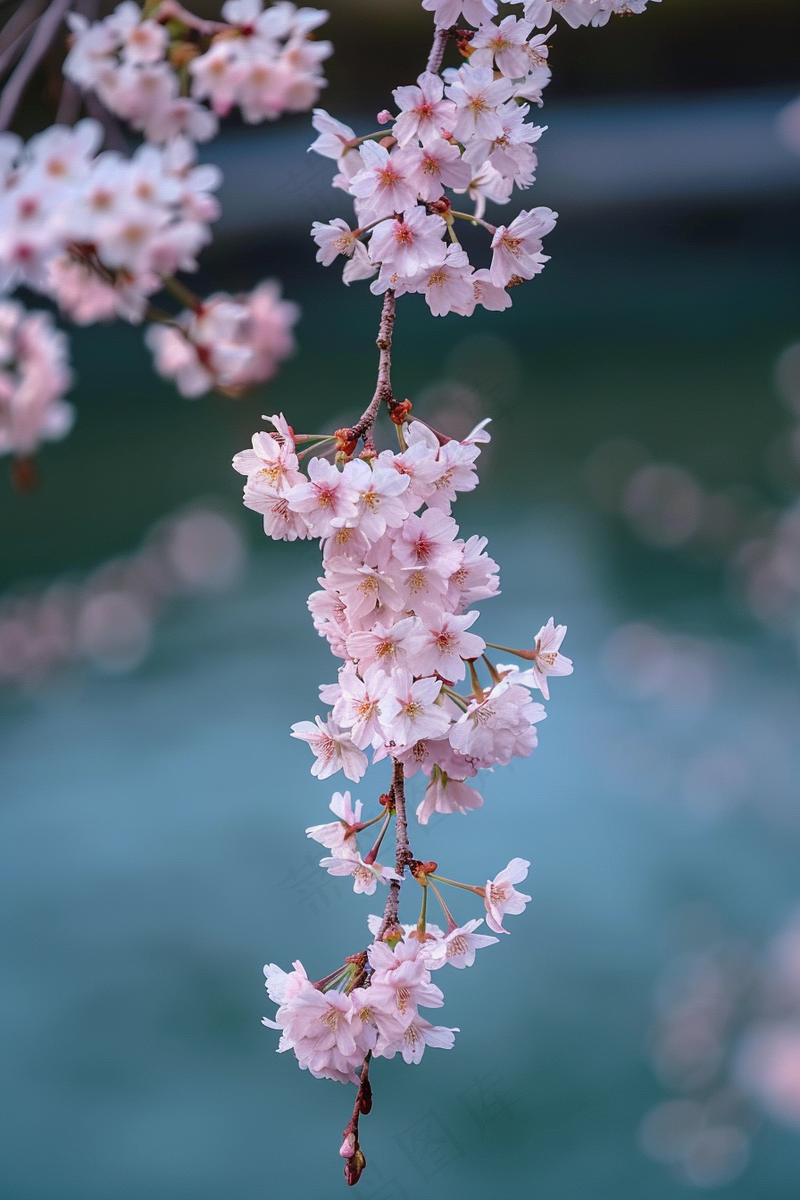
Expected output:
(639, 1035)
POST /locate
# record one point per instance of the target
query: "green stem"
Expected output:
(181, 293)
(475, 220)
(379, 133)
(373, 854)
(451, 924)
(422, 914)
(467, 887)
(454, 696)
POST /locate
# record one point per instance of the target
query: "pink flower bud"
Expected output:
(384, 117)
(348, 1147)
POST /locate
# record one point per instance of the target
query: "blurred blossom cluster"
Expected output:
(100, 231)
(262, 62)
(33, 377)
(107, 618)
(726, 1041)
(755, 538)
(229, 342)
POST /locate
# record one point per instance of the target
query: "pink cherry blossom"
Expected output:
(547, 660)
(517, 247)
(34, 376)
(410, 245)
(366, 876)
(410, 709)
(446, 795)
(448, 286)
(447, 12)
(459, 946)
(476, 94)
(359, 706)
(378, 496)
(333, 749)
(383, 645)
(442, 645)
(324, 498)
(501, 896)
(505, 45)
(418, 1034)
(382, 186)
(423, 111)
(337, 835)
(428, 541)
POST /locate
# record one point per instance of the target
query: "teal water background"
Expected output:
(153, 850)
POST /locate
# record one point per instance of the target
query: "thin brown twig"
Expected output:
(434, 63)
(383, 387)
(171, 10)
(113, 133)
(20, 21)
(40, 43)
(402, 850)
(70, 102)
(12, 51)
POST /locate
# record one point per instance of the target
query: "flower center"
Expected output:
(457, 946)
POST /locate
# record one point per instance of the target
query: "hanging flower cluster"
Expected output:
(459, 131)
(396, 605)
(155, 68)
(100, 232)
(417, 684)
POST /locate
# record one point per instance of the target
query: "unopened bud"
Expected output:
(345, 442)
(393, 935)
(441, 206)
(354, 1167)
(399, 410)
(348, 1147)
(384, 117)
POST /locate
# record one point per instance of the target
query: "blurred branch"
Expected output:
(70, 103)
(19, 22)
(13, 50)
(171, 10)
(114, 136)
(40, 43)
(71, 100)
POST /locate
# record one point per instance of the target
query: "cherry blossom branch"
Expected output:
(171, 10)
(440, 40)
(22, 21)
(14, 47)
(403, 854)
(46, 30)
(113, 133)
(182, 294)
(349, 437)
(71, 100)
